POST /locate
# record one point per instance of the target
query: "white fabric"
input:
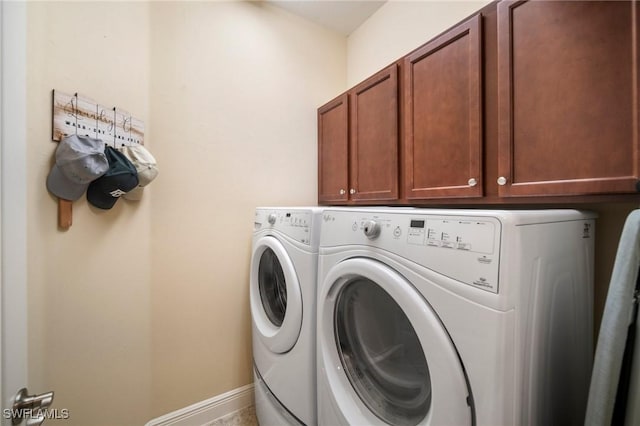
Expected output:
(613, 330)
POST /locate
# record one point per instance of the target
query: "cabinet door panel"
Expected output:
(333, 155)
(374, 137)
(568, 94)
(443, 115)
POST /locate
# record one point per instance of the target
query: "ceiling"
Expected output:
(341, 16)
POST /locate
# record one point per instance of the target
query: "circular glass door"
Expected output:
(273, 287)
(275, 295)
(383, 352)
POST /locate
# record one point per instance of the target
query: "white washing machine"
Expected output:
(454, 317)
(283, 288)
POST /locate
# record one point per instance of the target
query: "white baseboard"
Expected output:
(201, 413)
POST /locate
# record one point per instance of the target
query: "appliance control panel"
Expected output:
(294, 224)
(464, 248)
(453, 233)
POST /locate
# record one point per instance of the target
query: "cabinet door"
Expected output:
(374, 137)
(333, 155)
(443, 115)
(568, 97)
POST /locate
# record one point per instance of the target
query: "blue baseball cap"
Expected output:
(121, 178)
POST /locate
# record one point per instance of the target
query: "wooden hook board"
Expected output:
(75, 114)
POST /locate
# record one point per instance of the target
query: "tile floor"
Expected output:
(244, 417)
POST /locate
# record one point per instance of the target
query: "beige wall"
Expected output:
(234, 92)
(89, 287)
(397, 28)
(141, 310)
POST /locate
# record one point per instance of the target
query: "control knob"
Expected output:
(371, 229)
(272, 218)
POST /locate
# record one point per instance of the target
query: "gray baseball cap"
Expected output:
(79, 161)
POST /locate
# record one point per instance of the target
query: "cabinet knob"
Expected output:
(342, 192)
(502, 181)
(472, 182)
(352, 191)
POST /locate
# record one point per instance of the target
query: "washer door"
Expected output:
(387, 357)
(275, 294)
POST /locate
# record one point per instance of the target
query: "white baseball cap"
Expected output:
(146, 166)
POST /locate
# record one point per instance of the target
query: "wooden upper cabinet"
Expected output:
(333, 150)
(443, 115)
(567, 97)
(374, 137)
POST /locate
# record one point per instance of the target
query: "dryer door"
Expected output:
(387, 357)
(275, 294)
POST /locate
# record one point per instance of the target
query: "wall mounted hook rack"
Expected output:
(77, 114)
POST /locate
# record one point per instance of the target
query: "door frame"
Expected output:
(13, 201)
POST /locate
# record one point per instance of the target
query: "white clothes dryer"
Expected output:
(454, 317)
(282, 291)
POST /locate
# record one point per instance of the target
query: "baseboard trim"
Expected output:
(208, 410)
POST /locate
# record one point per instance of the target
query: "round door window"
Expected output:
(275, 295)
(273, 288)
(381, 353)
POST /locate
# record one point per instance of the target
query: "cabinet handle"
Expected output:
(342, 192)
(352, 191)
(472, 182)
(502, 181)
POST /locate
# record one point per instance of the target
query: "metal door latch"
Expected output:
(30, 407)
